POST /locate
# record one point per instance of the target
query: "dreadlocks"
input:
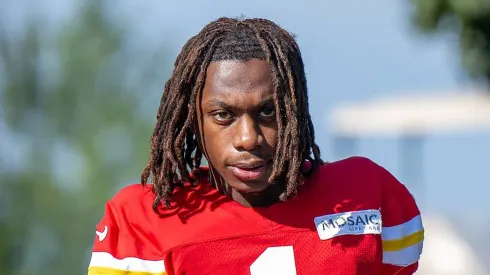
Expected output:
(175, 150)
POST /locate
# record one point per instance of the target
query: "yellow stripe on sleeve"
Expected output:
(403, 243)
(399, 244)
(96, 270)
(103, 263)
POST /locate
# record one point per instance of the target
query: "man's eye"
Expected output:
(268, 112)
(222, 116)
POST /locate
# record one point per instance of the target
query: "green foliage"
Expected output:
(80, 131)
(469, 19)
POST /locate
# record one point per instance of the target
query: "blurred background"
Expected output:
(403, 82)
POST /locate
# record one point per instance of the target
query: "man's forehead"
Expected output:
(230, 73)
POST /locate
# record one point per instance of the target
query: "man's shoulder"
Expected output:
(355, 170)
(354, 162)
(136, 202)
(132, 195)
(352, 182)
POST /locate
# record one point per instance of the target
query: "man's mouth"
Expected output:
(250, 170)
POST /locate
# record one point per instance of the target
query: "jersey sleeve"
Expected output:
(120, 248)
(402, 233)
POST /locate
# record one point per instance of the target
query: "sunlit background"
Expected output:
(402, 82)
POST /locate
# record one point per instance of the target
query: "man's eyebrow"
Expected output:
(266, 101)
(213, 103)
(217, 103)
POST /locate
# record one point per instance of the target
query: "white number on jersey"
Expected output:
(275, 260)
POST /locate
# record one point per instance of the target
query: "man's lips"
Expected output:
(250, 170)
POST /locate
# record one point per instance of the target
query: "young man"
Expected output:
(267, 204)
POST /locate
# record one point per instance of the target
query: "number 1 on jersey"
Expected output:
(275, 260)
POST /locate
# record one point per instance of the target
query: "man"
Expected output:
(267, 204)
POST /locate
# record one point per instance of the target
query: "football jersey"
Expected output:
(350, 217)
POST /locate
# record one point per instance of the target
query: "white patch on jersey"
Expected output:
(349, 223)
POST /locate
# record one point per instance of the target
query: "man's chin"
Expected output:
(250, 187)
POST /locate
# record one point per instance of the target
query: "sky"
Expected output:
(353, 51)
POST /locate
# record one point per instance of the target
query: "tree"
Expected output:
(80, 131)
(469, 19)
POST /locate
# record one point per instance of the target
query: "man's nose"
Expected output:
(248, 135)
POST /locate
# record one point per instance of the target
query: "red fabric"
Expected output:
(206, 233)
(396, 270)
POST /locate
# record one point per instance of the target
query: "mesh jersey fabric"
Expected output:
(206, 233)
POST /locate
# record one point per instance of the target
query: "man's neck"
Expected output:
(263, 199)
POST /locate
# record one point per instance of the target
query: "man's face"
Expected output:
(239, 122)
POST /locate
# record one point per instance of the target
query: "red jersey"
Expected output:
(350, 217)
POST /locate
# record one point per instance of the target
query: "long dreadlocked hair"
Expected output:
(175, 150)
